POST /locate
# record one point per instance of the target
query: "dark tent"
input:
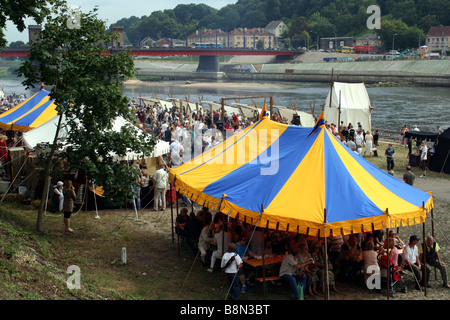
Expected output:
(441, 159)
(415, 139)
(419, 136)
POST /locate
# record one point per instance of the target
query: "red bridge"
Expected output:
(208, 58)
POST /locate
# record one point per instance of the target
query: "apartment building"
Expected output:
(437, 38)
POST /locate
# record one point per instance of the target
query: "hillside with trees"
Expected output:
(305, 19)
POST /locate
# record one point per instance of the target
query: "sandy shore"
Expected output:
(208, 84)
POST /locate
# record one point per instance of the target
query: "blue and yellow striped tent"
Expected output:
(31, 113)
(298, 179)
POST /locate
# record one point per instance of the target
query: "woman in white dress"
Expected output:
(368, 143)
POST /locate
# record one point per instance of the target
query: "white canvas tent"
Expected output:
(353, 102)
(306, 119)
(165, 104)
(46, 133)
(218, 106)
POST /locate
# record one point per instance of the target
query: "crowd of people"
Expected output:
(217, 239)
(10, 101)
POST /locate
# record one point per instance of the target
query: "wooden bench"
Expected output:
(267, 279)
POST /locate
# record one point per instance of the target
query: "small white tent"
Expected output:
(350, 103)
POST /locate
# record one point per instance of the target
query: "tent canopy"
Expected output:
(441, 159)
(429, 136)
(46, 133)
(354, 103)
(29, 114)
(296, 179)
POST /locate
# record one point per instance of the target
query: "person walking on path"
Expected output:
(231, 263)
(408, 176)
(389, 153)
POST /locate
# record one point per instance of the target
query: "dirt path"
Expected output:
(439, 187)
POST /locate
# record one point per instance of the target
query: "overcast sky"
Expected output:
(113, 10)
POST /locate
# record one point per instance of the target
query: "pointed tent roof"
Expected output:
(296, 178)
(354, 102)
(29, 114)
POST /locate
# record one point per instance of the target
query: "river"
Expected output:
(425, 107)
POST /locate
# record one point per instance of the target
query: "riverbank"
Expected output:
(415, 72)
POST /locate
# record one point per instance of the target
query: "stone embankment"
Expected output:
(417, 72)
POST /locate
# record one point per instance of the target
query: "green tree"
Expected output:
(17, 44)
(273, 10)
(17, 11)
(231, 17)
(85, 83)
(398, 34)
(254, 19)
(321, 26)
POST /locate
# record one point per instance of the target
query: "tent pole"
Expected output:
(424, 250)
(95, 201)
(339, 112)
(445, 162)
(86, 192)
(263, 259)
(331, 88)
(223, 117)
(271, 108)
(326, 291)
(387, 260)
(171, 211)
(176, 203)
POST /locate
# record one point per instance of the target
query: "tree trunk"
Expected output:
(47, 175)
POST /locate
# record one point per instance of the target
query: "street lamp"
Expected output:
(393, 37)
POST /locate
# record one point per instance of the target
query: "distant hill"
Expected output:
(305, 19)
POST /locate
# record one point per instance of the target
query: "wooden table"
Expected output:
(259, 262)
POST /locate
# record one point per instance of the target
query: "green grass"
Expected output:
(401, 161)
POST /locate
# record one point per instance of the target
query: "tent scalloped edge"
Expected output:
(303, 227)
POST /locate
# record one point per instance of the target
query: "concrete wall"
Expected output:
(419, 72)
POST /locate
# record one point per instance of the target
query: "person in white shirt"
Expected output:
(58, 196)
(176, 153)
(160, 179)
(410, 258)
(423, 158)
(231, 262)
(359, 140)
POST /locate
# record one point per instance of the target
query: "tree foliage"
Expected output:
(17, 11)
(85, 83)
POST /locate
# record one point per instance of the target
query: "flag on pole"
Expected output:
(263, 112)
(320, 122)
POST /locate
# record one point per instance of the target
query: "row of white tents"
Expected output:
(346, 102)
